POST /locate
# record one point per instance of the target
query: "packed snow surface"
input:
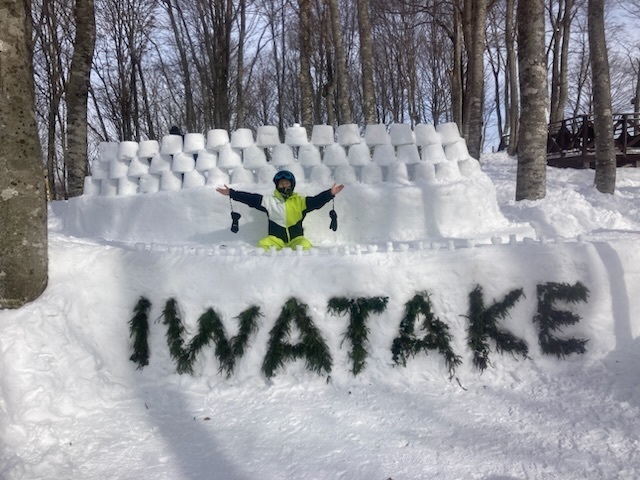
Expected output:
(73, 405)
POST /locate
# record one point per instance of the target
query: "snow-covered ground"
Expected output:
(73, 406)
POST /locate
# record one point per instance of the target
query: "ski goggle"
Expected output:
(283, 175)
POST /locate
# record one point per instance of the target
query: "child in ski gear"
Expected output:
(285, 209)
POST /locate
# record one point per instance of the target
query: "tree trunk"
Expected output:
(240, 109)
(344, 108)
(366, 59)
(306, 89)
(23, 208)
(531, 180)
(602, 116)
(512, 76)
(560, 64)
(78, 96)
(472, 127)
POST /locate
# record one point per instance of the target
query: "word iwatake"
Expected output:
(432, 335)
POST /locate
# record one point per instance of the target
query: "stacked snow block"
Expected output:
(398, 154)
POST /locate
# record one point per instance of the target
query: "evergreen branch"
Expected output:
(210, 327)
(248, 326)
(139, 330)
(175, 332)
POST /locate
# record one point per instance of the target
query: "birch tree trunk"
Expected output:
(23, 208)
(605, 179)
(77, 96)
(531, 182)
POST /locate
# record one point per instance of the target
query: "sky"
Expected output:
(73, 405)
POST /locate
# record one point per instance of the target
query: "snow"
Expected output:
(73, 406)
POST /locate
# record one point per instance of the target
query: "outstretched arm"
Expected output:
(224, 190)
(318, 201)
(335, 189)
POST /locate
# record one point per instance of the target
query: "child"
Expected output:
(286, 210)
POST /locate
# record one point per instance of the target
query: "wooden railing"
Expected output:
(570, 142)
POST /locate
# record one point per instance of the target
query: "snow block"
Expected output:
(296, 136)
(138, 167)
(433, 153)
(127, 186)
(193, 179)
(424, 173)
(171, 144)
(108, 151)
(375, 135)
(193, 143)
(371, 174)
(253, 157)
(309, 155)
(109, 187)
(183, 162)
(348, 134)
(457, 151)
(127, 150)
(217, 138)
(118, 169)
(160, 163)
(242, 138)
(148, 148)
(335, 155)
(321, 174)
(206, 160)
(447, 171)
(401, 134)
(449, 132)
(91, 186)
(345, 174)
(384, 154)
(398, 173)
(170, 181)
(217, 177)
(408, 154)
(99, 170)
(322, 135)
(266, 174)
(267, 136)
(240, 175)
(229, 157)
(149, 183)
(282, 155)
(426, 134)
(359, 155)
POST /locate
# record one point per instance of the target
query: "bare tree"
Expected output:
(474, 23)
(511, 81)
(306, 88)
(343, 105)
(532, 140)
(605, 178)
(366, 62)
(77, 96)
(23, 208)
(561, 34)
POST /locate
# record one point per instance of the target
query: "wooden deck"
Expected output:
(570, 142)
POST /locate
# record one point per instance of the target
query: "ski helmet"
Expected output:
(286, 175)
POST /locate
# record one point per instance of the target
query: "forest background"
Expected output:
(244, 63)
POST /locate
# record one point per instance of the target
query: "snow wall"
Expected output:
(402, 185)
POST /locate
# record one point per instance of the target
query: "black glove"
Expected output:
(235, 216)
(334, 220)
